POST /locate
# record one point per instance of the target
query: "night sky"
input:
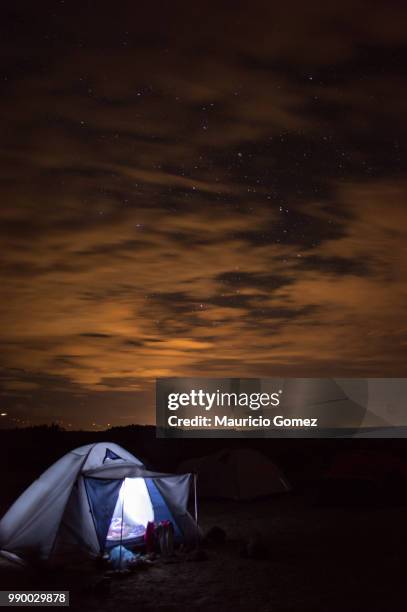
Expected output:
(197, 188)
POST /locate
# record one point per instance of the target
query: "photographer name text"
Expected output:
(203, 422)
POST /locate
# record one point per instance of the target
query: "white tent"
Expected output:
(93, 498)
(236, 474)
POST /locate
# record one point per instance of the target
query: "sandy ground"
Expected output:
(318, 558)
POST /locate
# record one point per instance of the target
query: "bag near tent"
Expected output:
(237, 474)
(95, 497)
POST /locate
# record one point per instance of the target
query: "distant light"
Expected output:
(3, 414)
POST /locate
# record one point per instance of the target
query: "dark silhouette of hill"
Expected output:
(28, 452)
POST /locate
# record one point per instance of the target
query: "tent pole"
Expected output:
(195, 500)
(121, 528)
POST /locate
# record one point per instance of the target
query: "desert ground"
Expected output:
(314, 558)
(326, 546)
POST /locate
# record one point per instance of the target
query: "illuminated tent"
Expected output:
(93, 498)
(237, 474)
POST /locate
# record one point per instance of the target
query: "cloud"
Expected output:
(213, 196)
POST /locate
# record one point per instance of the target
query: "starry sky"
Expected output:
(197, 188)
